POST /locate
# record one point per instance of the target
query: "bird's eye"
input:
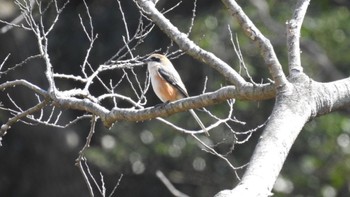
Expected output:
(155, 59)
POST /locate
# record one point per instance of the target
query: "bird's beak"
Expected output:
(146, 60)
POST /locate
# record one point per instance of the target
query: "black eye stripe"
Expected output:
(156, 59)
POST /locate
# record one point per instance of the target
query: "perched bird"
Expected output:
(166, 82)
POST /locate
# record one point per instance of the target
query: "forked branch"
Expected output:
(264, 44)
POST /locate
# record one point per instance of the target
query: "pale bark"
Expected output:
(298, 98)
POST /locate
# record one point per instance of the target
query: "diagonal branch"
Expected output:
(21, 115)
(187, 45)
(264, 44)
(22, 82)
(81, 157)
(293, 36)
(169, 185)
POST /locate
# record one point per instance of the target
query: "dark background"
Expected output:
(39, 160)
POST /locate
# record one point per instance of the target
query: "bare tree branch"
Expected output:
(239, 55)
(299, 98)
(15, 22)
(170, 186)
(19, 64)
(81, 158)
(204, 100)
(22, 82)
(116, 186)
(189, 46)
(266, 49)
(91, 37)
(293, 35)
(4, 61)
(214, 152)
(21, 115)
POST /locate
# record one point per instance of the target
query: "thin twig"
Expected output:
(238, 53)
(78, 161)
(4, 61)
(124, 21)
(169, 185)
(19, 64)
(86, 179)
(213, 151)
(116, 185)
(172, 8)
(91, 37)
(21, 115)
(15, 22)
(193, 17)
(266, 49)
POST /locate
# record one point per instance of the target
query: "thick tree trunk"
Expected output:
(294, 106)
(291, 111)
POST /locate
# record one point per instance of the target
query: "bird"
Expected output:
(166, 82)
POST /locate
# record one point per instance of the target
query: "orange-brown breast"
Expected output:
(167, 92)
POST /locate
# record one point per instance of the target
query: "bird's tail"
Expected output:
(199, 121)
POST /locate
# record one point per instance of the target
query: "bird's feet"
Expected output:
(162, 104)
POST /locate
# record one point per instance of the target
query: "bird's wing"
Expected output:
(167, 76)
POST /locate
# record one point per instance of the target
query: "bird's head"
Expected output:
(156, 58)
